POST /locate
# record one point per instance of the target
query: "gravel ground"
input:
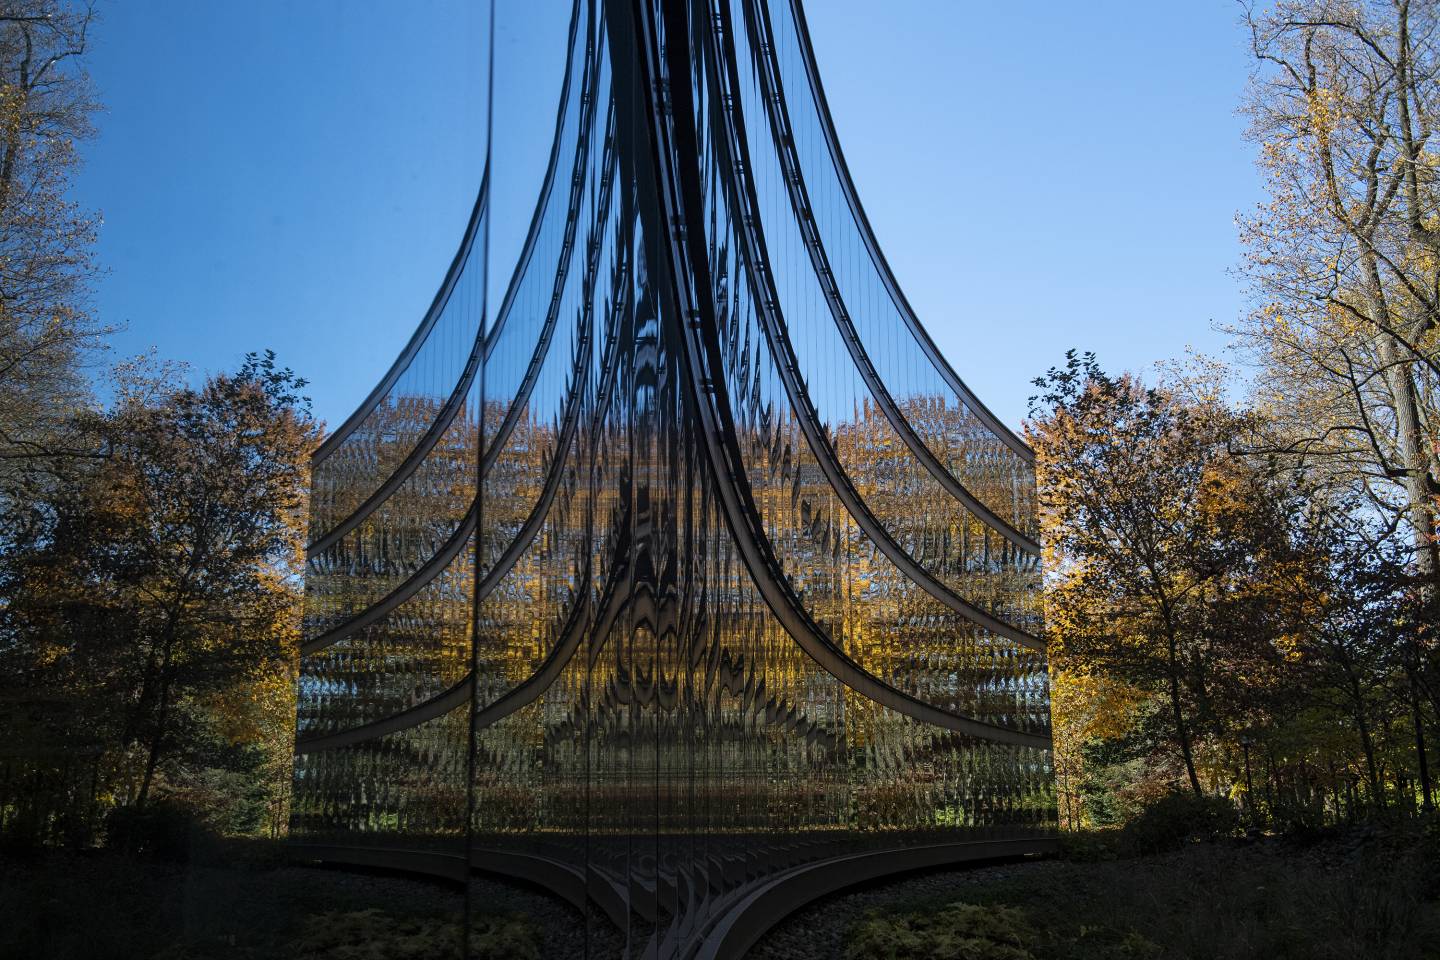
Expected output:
(335, 889)
(817, 931)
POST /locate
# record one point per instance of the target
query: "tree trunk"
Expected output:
(1417, 479)
(1182, 732)
(162, 712)
(12, 130)
(1269, 782)
(1250, 806)
(162, 716)
(1422, 762)
(1367, 744)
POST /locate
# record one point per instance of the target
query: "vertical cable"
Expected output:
(468, 918)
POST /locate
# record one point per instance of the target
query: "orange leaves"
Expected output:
(1086, 706)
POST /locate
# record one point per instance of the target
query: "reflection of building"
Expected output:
(694, 567)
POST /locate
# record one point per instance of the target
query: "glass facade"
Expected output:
(685, 576)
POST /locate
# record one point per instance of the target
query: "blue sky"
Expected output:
(295, 174)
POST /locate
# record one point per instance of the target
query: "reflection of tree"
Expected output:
(886, 622)
(987, 467)
(423, 645)
(761, 743)
(975, 561)
(410, 783)
(403, 531)
(378, 446)
(733, 711)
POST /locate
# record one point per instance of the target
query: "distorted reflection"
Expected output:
(689, 562)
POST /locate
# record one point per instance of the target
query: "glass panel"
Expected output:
(714, 573)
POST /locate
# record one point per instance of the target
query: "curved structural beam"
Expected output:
(766, 904)
(573, 631)
(579, 379)
(741, 190)
(489, 340)
(422, 332)
(552, 313)
(529, 689)
(917, 329)
(577, 624)
(681, 251)
(456, 542)
(407, 589)
(551, 875)
(778, 113)
(437, 706)
(547, 185)
(457, 265)
(425, 863)
(408, 466)
(532, 524)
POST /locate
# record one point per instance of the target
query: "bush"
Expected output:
(1089, 846)
(163, 830)
(503, 937)
(20, 837)
(376, 935)
(1178, 818)
(960, 930)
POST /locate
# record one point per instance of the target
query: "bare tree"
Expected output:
(46, 246)
(1344, 262)
(1345, 258)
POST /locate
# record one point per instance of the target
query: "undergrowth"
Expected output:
(1334, 899)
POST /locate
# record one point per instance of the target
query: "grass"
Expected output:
(955, 931)
(376, 935)
(1280, 900)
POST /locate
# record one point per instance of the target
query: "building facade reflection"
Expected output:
(687, 580)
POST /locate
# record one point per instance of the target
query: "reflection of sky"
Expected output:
(296, 175)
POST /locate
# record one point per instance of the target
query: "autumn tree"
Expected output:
(1244, 607)
(1159, 546)
(1344, 266)
(1353, 628)
(164, 593)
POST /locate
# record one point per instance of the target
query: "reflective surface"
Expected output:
(689, 562)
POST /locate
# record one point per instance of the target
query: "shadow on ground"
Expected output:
(247, 903)
(1358, 894)
(1352, 895)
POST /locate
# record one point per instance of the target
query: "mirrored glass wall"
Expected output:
(671, 567)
